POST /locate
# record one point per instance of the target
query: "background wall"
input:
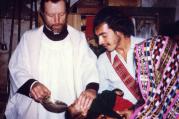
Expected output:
(162, 3)
(156, 3)
(177, 10)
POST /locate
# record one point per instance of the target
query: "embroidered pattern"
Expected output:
(157, 72)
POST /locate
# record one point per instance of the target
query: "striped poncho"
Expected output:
(158, 77)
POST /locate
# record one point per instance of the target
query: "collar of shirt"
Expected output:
(134, 41)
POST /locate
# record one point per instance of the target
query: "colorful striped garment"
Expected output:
(157, 72)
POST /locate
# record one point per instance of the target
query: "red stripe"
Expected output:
(125, 76)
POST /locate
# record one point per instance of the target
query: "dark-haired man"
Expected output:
(154, 61)
(116, 66)
(52, 61)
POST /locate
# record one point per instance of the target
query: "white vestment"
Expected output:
(65, 67)
(109, 79)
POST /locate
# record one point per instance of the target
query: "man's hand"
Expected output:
(74, 111)
(80, 107)
(85, 100)
(39, 92)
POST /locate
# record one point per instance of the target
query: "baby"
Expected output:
(109, 103)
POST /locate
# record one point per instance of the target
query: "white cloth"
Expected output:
(109, 79)
(65, 67)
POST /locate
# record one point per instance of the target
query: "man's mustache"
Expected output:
(54, 25)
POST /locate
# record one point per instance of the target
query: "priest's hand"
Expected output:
(85, 100)
(39, 92)
(74, 111)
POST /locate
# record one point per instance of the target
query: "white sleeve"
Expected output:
(104, 84)
(88, 59)
(19, 65)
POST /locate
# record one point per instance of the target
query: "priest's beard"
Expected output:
(56, 28)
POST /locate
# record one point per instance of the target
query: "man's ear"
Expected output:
(42, 16)
(120, 34)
